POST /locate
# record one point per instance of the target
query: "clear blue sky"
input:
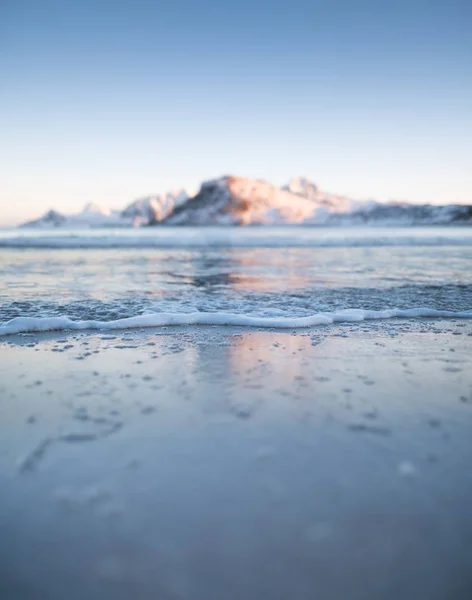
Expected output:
(108, 101)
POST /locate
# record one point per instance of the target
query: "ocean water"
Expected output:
(267, 277)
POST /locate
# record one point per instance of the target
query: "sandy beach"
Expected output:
(226, 462)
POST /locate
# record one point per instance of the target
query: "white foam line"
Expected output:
(34, 324)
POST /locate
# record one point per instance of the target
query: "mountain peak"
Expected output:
(52, 218)
(302, 186)
(153, 209)
(96, 209)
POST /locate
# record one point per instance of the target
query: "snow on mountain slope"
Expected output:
(52, 218)
(143, 211)
(329, 205)
(344, 211)
(239, 201)
(302, 187)
(91, 216)
(154, 209)
(403, 214)
(94, 215)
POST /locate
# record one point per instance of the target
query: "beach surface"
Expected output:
(205, 463)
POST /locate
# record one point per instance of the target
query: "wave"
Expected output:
(291, 237)
(41, 324)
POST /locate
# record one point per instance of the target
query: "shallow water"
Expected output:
(283, 272)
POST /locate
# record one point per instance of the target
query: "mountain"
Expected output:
(403, 214)
(91, 216)
(153, 209)
(233, 200)
(238, 201)
(52, 218)
(144, 211)
(344, 211)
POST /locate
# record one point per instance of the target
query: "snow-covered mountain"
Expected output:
(239, 201)
(327, 203)
(403, 214)
(92, 215)
(153, 209)
(52, 218)
(233, 200)
(144, 211)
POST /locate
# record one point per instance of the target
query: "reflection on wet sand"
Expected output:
(257, 270)
(249, 354)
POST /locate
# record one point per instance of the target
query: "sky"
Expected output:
(108, 101)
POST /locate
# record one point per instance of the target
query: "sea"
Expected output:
(293, 276)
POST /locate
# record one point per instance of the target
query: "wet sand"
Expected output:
(224, 463)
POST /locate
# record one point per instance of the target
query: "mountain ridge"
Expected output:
(232, 200)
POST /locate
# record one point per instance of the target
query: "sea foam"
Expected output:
(39, 324)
